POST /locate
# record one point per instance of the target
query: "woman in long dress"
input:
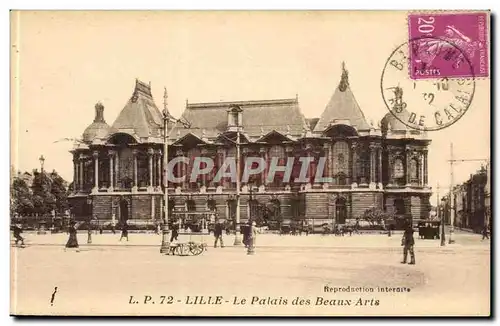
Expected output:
(72, 241)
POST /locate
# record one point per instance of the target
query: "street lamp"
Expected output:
(165, 245)
(42, 161)
(441, 210)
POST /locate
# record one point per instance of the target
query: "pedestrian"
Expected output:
(96, 221)
(245, 229)
(17, 234)
(252, 238)
(72, 241)
(356, 226)
(485, 233)
(175, 230)
(408, 242)
(218, 228)
(113, 223)
(89, 234)
(124, 231)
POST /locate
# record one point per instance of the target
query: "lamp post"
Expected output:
(165, 245)
(443, 234)
(42, 161)
(237, 240)
(451, 203)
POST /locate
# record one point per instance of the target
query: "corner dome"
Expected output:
(391, 122)
(99, 128)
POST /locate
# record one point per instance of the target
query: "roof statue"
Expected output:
(344, 79)
(262, 134)
(342, 106)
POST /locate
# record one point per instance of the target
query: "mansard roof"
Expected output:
(140, 116)
(342, 106)
(259, 118)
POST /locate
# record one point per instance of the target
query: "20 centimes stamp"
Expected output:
(458, 36)
(428, 83)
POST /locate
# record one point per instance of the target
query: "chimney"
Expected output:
(99, 113)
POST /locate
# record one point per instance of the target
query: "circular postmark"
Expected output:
(431, 100)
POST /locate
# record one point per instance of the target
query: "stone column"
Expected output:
(373, 161)
(327, 173)
(263, 153)
(150, 169)
(135, 187)
(389, 167)
(354, 161)
(426, 172)
(203, 153)
(380, 168)
(95, 154)
(111, 155)
(75, 175)
(153, 208)
(407, 166)
(116, 172)
(158, 168)
(331, 162)
(180, 169)
(81, 171)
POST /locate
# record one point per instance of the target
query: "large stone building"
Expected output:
(471, 202)
(118, 168)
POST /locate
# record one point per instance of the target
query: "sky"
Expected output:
(63, 63)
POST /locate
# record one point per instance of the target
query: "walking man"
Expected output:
(124, 231)
(218, 228)
(17, 234)
(175, 230)
(485, 233)
(408, 242)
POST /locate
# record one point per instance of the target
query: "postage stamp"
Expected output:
(441, 39)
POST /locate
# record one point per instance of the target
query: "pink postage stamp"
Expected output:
(448, 45)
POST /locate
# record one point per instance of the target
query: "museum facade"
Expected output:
(118, 168)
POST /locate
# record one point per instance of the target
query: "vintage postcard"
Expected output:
(250, 163)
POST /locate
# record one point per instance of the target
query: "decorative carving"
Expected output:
(218, 190)
(95, 154)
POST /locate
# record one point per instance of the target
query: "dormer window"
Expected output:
(234, 117)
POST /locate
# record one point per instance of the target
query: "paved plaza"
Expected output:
(108, 277)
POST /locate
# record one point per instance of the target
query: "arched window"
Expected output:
(414, 171)
(193, 153)
(341, 179)
(277, 152)
(398, 171)
(228, 182)
(399, 206)
(341, 154)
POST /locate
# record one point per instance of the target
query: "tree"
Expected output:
(20, 197)
(375, 216)
(59, 190)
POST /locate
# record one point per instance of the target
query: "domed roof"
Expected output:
(99, 128)
(391, 122)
